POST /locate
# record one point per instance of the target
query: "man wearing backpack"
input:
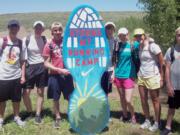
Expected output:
(172, 74)
(36, 73)
(60, 80)
(12, 72)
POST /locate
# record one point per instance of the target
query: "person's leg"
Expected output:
(156, 104)
(128, 96)
(171, 113)
(123, 101)
(144, 101)
(2, 109)
(27, 100)
(57, 109)
(17, 119)
(40, 100)
(16, 107)
(16, 93)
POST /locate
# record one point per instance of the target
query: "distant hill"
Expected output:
(131, 20)
(27, 19)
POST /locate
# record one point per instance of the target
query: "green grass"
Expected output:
(115, 128)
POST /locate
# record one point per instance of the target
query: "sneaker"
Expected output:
(57, 123)
(154, 127)
(166, 132)
(133, 120)
(19, 122)
(38, 119)
(110, 120)
(146, 125)
(124, 119)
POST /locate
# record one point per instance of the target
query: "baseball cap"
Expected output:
(123, 31)
(13, 23)
(139, 31)
(110, 24)
(38, 22)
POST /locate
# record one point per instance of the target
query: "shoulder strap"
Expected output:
(27, 40)
(51, 50)
(4, 44)
(44, 39)
(5, 41)
(172, 54)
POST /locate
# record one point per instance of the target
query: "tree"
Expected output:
(161, 19)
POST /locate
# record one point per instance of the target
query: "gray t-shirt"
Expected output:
(148, 58)
(10, 68)
(34, 50)
(175, 67)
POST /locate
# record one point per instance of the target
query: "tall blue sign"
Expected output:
(86, 55)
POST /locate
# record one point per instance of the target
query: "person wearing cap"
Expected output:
(36, 73)
(125, 74)
(106, 78)
(60, 80)
(150, 79)
(172, 74)
(12, 71)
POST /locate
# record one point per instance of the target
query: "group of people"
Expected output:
(37, 62)
(142, 60)
(29, 63)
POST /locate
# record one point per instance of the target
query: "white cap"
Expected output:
(123, 31)
(110, 24)
(38, 22)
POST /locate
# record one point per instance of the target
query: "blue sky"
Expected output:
(21, 6)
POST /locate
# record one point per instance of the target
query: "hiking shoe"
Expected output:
(110, 120)
(124, 119)
(133, 120)
(57, 123)
(38, 119)
(19, 122)
(166, 132)
(146, 125)
(154, 127)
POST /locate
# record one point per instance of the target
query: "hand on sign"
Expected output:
(63, 71)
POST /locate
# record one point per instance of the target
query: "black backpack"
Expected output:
(135, 58)
(115, 55)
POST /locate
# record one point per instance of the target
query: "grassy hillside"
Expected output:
(128, 19)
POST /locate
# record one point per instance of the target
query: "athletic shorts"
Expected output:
(36, 76)
(174, 102)
(124, 83)
(39, 81)
(152, 83)
(58, 84)
(10, 90)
